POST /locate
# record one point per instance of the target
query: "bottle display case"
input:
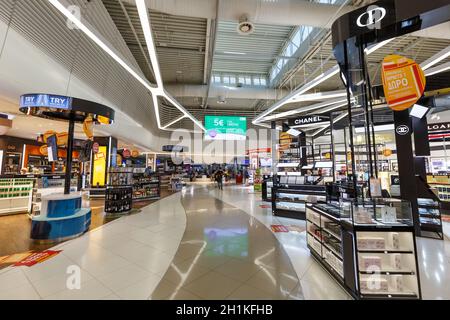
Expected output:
(119, 192)
(120, 176)
(118, 199)
(367, 246)
(145, 187)
(15, 195)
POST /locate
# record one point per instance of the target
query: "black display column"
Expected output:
(405, 157)
(69, 156)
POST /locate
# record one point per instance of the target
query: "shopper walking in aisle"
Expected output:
(219, 178)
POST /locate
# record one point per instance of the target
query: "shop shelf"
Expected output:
(334, 235)
(385, 251)
(337, 254)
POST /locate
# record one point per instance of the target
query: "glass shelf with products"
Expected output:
(146, 187)
(118, 200)
(46, 185)
(368, 246)
(15, 195)
(290, 200)
(430, 216)
(120, 177)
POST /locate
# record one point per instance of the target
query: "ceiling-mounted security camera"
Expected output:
(245, 27)
(221, 100)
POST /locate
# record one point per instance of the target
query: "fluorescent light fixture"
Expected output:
(321, 95)
(438, 69)
(291, 97)
(333, 107)
(378, 128)
(305, 109)
(297, 94)
(338, 118)
(174, 121)
(235, 53)
(377, 46)
(441, 55)
(145, 23)
(418, 111)
(143, 15)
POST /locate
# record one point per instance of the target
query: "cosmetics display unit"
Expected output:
(291, 194)
(15, 195)
(367, 246)
(46, 185)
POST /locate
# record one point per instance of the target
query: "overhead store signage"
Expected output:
(372, 16)
(442, 126)
(439, 131)
(308, 120)
(403, 82)
(45, 100)
(225, 128)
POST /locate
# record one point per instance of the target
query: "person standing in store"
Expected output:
(219, 178)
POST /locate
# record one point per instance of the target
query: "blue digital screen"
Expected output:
(45, 100)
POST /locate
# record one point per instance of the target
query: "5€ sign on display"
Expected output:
(403, 82)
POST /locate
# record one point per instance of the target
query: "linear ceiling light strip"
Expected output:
(174, 121)
(438, 57)
(438, 69)
(155, 91)
(292, 97)
(305, 109)
(145, 23)
(338, 118)
(318, 80)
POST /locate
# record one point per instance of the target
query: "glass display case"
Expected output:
(15, 195)
(290, 200)
(430, 216)
(368, 246)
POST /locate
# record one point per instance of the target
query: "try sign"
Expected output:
(403, 82)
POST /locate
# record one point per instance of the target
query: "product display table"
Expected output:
(62, 217)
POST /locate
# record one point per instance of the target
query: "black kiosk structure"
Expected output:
(367, 242)
(62, 215)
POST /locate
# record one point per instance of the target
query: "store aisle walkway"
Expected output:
(124, 259)
(226, 254)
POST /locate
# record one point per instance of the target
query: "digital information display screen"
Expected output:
(225, 128)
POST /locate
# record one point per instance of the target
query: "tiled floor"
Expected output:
(433, 255)
(121, 260)
(226, 254)
(201, 243)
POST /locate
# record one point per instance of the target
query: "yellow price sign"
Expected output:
(403, 82)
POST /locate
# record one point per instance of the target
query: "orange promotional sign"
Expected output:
(403, 82)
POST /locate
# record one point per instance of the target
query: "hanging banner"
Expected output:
(403, 82)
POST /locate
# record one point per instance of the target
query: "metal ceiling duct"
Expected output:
(280, 12)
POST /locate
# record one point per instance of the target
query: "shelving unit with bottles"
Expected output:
(145, 187)
(15, 195)
(119, 192)
(368, 247)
